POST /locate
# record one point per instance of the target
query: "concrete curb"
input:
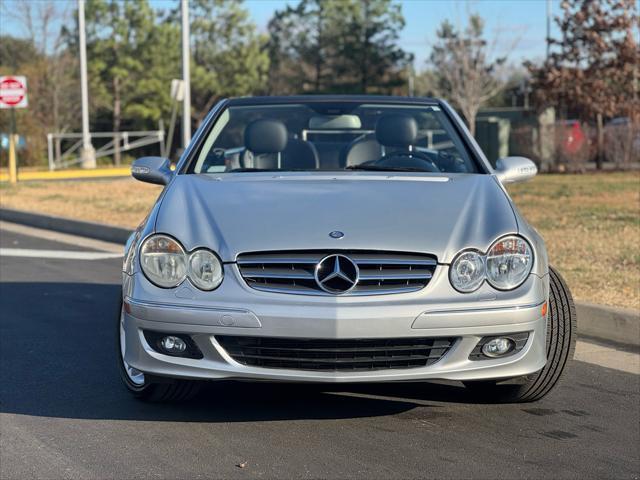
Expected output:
(71, 174)
(619, 325)
(97, 231)
(611, 324)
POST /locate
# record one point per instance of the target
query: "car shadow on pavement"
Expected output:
(58, 359)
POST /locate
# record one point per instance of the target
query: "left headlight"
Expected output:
(509, 262)
(467, 272)
(506, 266)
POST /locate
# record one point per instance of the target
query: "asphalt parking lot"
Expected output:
(64, 414)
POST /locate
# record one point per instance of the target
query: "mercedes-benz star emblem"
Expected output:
(337, 274)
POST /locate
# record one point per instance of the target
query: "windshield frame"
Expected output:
(186, 164)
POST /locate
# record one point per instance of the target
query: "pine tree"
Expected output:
(337, 46)
(229, 57)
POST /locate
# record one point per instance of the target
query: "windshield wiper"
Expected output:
(378, 168)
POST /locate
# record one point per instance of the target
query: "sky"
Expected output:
(519, 22)
(519, 25)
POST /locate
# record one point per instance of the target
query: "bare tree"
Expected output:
(592, 72)
(37, 20)
(465, 68)
(52, 72)
(49, 66)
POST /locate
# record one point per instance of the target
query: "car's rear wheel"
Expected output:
(561, 342)
(145, 387)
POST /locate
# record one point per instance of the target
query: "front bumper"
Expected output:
(250, 313)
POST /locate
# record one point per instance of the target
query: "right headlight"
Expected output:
(506, 266)
(165, 263)
(205, 269)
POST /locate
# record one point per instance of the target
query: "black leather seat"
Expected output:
(397, 131)
(268, 146)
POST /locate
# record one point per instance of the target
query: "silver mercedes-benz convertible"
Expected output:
(339, 239)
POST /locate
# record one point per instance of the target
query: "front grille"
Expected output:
(380, 272)
(335, 355)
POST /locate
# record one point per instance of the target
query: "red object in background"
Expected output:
(574, 138)
(13, 91)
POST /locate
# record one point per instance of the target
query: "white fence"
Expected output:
(119, 142)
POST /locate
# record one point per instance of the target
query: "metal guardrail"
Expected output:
(120, 142)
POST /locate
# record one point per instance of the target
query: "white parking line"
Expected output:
(56, 254)
(608, 357)
(81, 242)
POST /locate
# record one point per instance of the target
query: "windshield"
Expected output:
(332, 136)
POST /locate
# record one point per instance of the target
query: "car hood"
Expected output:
(248, 212)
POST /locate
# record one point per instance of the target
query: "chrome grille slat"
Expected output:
(394, 276)
(381, 273)
(276, 258)
(278, 261)
(393, 261)
(291, 274)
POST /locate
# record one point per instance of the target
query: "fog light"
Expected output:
(497, 347)
(173, 344)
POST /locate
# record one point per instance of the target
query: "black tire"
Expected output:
(561, 344)
(154, 389)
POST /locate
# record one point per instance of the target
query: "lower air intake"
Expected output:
(335, 355)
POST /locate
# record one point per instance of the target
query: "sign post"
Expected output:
(13, 94)
(88, 153)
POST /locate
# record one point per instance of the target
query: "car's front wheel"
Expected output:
(144, 387)
(561, 341)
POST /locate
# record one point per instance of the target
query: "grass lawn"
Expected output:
(591, 223)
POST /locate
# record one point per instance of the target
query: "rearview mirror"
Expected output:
(515, 169)
(152, 170)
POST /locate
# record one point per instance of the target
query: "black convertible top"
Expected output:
(331, 99)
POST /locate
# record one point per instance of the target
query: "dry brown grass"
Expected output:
(591, 223)
(123, 202)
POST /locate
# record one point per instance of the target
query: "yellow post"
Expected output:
(13, 170)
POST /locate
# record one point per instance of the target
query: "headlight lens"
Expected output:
(509, 262)
(205, 270)
(163, 261)
(130, 256)
(467, 271)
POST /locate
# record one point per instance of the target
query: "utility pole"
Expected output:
(186, 76)
(88, 153)
(411, 81)
(548, 27)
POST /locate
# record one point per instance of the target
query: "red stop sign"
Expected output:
(13, 91)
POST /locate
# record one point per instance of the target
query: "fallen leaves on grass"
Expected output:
(591, 226)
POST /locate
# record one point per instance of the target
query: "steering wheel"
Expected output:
(388, 160)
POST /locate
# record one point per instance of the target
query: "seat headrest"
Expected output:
(396, 130)
(265, 136)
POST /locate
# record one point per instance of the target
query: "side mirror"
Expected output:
(515, 169)
(152, 170)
